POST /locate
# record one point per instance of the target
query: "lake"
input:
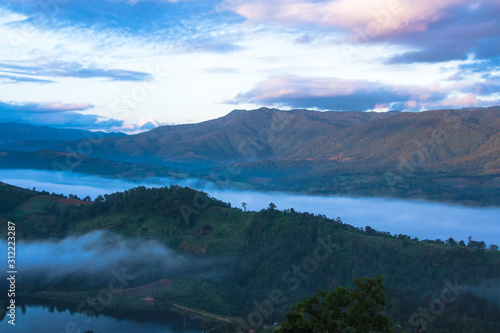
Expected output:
(57, 318)
(416, 218)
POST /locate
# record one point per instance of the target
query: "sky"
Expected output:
(131, 64)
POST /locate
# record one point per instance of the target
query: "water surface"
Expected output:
(59, 319)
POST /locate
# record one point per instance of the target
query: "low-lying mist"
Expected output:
(94, 258)
(416, 218)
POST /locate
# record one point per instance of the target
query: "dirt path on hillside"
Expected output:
(206, 314)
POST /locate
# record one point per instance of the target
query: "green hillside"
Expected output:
(272, 254)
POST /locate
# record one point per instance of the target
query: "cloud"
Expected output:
(380, 16)
(99, 253)
(55, 114)
(480, 78)
(7, 17)
(464, 32)
(45, 107)
(340, 94)
(133, 2)
(19, 79)
(188, 26)
(208, 44)
(433, 31)
(72, 69)
(221, 70)
(487, 68)
(304, 39)
(467, 100)
(332, 93)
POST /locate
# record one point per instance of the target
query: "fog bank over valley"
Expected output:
(416, 218)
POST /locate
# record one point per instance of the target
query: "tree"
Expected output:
(342, 310)
(476, 245)
(272, 206)
(244, 205)
(369, 230)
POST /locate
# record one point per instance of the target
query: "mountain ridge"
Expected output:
(222, 139)
(444, 155)
(14, 135)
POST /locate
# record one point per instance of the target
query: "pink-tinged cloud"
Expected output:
(462, 31)
(296, 86)
(371, 18)
(61, 107)
(467, 100)
(337, 94)
(411, 104)
(43, 107)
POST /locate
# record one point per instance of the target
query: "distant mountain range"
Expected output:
(458, 139)
(273, 133)
(19, 136)
(452, 154)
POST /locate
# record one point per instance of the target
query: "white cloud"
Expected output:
(375, 17)
(8, 17)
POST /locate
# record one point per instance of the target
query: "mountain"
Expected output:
(445, 155)
(17, 136)
(245, 260)
(441, 139)
(80, 163)
(273, 133)
(147, 126)
(224, 139)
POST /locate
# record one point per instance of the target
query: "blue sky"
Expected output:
(118, 64)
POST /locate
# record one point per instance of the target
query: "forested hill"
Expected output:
(265, 251)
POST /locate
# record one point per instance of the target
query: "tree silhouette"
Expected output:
(342, 310)
(244, 205)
